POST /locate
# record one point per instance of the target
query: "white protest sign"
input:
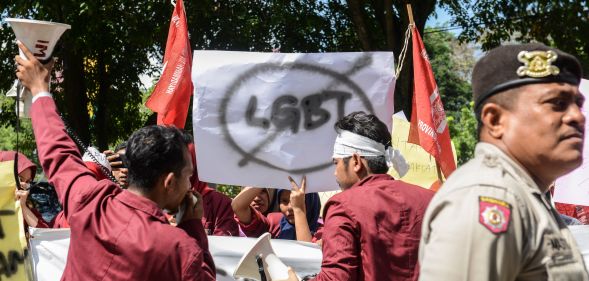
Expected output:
(260, 117)
(49, 248)
(573, 188)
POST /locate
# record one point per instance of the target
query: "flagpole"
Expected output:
(410, 13)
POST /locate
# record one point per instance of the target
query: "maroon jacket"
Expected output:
(115, 234)
(218, 218)
(372, 231)
(218, 214)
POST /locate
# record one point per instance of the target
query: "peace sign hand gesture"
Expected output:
(297, 194)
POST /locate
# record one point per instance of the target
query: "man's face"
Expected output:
(120, 172)
(285, 207)
(181, 184)
(544, 129)
(344, 173)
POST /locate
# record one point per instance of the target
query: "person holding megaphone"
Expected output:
(121, 234)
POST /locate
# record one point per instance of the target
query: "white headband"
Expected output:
(348, 143)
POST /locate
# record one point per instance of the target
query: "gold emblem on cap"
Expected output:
(537, 64)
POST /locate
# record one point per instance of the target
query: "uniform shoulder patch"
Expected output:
(494, 214)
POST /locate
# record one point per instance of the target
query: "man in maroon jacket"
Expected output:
(121, 234)
(372, 228)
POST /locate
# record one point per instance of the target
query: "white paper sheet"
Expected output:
(260, 117)
(573, 188)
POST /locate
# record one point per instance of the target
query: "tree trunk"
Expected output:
(100, 122)
(74, 94)
(358, 18)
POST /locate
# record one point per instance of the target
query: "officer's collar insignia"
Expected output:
(537, 64)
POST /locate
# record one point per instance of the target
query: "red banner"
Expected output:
(171, 96)
(429, 128)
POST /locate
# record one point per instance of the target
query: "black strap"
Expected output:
(261, 267)
(79, 142)
(15, 168)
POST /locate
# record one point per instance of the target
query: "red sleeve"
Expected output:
(318, 234)
(225, 224)
(258, 226)
(205, 265)
(60, 158)
(341, 260)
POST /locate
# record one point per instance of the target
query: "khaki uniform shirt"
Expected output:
(491, 222)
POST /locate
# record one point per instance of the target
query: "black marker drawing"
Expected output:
(288, 113)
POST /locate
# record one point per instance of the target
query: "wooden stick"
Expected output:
(410, 13)
(439, 171)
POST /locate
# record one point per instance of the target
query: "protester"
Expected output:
(297, 219)
(121, 234)
(115, 159)
(490, 220)
(218, 215)
(372, 227)
(26, 173)
(257, 198)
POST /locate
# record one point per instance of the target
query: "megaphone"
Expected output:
(248, 266)
(40, 37)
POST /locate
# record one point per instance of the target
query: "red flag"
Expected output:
(429, 128)
(171, 96)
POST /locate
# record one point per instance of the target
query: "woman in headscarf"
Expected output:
(297, 219)
(26, 173)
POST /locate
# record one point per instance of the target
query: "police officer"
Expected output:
(490, 220)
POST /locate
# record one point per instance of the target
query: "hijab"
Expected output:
(312, 209)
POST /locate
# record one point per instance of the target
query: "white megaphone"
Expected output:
(248, 266)
(40, 37)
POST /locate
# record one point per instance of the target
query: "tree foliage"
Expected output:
(100, 59)
(113, 42)
(563, 24)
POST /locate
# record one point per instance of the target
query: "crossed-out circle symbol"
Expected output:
(239, 81)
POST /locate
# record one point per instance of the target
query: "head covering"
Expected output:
(348, 143)
(512, 66)
(312, 209)
(197, 185)
(23, 162)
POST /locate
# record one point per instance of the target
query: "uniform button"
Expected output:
(490, 160)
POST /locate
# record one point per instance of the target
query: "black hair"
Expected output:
(120, 146)
(154, 151)
(368, 125)
(187, 136)
(506, 99)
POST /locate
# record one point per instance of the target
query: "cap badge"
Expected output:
(537, 64)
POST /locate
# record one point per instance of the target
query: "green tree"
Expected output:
(563, 24)
(463, 129)
(100, 59)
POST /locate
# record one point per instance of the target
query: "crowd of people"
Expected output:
(491, 220)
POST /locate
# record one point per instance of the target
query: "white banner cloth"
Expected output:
(49, 248)
(573, 188)
(260, 117)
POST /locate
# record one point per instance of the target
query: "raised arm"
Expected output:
(59, 156)
(297, 202)
(241, 204)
